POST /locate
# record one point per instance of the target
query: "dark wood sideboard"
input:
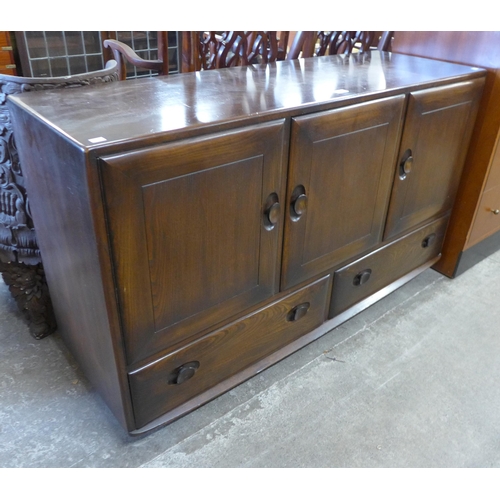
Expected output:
(476, 216)
(197, 228)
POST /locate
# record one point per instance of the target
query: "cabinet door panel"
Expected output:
(437, 131)
(342, 164)
(232, 262)
(191, 241)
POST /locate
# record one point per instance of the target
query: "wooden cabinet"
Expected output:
(196, 229)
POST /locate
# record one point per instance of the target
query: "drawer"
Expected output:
(494, 173)
(487, 221)
(188, 372)
(368, 275)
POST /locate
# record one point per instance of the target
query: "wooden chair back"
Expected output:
(205, 50)
(320, 43)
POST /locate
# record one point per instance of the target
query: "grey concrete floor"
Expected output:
(412, 381)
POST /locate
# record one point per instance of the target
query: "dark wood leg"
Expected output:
(28, 286)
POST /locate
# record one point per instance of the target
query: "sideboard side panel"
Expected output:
(63, 195)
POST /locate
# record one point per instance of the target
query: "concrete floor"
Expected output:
(411, 382)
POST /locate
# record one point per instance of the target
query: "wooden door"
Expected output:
(436, 135)
(341, 170)
(195, 229)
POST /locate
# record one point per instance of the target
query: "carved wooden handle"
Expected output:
(183, 373)
(406, 164)
(362, 277)
(428, 240)
(272, 211)
(298, 206)
(298, 312)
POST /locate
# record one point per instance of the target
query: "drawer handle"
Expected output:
(272, 212)
(183, 373)
(362, 277)
(298, 312)
(496, 211)
(298, 206)
(406, 164)
(428, 240)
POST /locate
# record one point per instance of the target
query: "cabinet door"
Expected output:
(195, 229)
(341, 170)
(435, 139)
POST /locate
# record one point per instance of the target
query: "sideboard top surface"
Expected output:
(101, 115)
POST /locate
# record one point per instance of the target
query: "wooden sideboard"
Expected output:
(476, 215)
(199, 227)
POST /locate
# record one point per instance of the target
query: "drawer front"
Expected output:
(494, 173)
(188, 372)
(487, 219)
(364, 277)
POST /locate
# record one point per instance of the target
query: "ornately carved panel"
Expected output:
(225, 49)
(20, 259)
(17, 237)
(343, 42)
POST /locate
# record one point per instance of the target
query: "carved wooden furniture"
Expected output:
(320, 43)
(214, 222)
(20, 259)
(476, 214)
(203, 50)
(123, 53)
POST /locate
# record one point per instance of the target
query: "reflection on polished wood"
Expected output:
(215, 99)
